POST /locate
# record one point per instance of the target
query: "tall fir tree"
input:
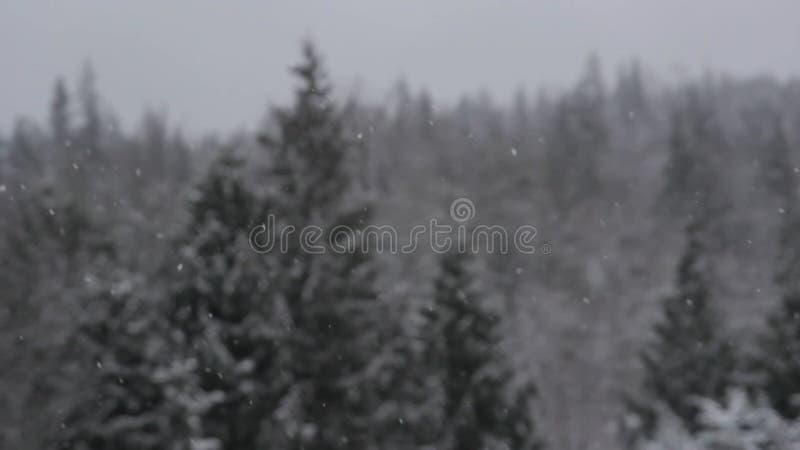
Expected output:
(775, 153)
(180, 161)
(224, 326)
(631, 93)
(578, 136)
(154, 151)
(185, 352)
(89, 102)
(25, 155)
(691, 357)
(60, 126)
(696, 143)
(52, 256)
(122, 337)
(480, 405)
(334, 335)
(779, 359)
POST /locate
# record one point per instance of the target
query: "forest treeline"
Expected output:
(135, 315)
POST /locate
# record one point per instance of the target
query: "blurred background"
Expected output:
(655, 146)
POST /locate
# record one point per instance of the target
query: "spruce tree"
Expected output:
(223, 326)
(693, 185)
(25, 156)
(52, 257)
(185, 352)
(333, 310)
(155, 146)
(631, 94)
(578, 136)
(121, 337)
(89, 102)
(60, 126)
(480, 406)
(779, 362)
(690, 356)
(779, 359)
(775, 160)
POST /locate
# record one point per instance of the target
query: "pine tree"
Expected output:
(89, 101)
(776, 166)
(578, 136)
(690, 357)
(60, 114)
(84, 157)
(52, 254)
(25, 155)
(480, 407)
(122, 338)
(180, 162)
(333, 309)
(184, 353)
(154, 155)
(221, 313)
(695, 145)
(779, 360)
(631, 94)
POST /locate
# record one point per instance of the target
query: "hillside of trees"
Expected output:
(665, 315)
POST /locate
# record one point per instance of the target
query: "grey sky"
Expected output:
(216, 65)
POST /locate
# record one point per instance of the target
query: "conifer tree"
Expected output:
(631, 93)
(154, 155)
(185, 353)
(223, 324)
(121, 336)
(480, 406)
(776, 166)
(89, 101)
(334, 336)
(180, 163)
(578, 136)
(25, 155)
(779, 359)
(60, 114)
(695, 145)
(690, 356)
(51, 257)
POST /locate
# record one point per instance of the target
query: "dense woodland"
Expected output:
(135, 315)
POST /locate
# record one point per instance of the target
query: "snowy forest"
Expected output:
(664, 315)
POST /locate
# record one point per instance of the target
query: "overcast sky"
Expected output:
(217, 65)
